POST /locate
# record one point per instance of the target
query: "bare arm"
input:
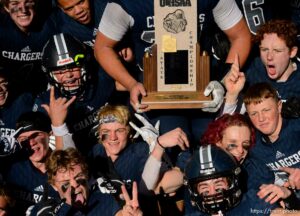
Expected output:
(240, 39)
(110, 61)
(171, 181)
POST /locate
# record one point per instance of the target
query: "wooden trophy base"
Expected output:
(175, 99)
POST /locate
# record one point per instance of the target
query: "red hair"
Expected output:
(214, 131)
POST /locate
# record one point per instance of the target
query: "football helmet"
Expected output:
(64, 52)
(211, 162)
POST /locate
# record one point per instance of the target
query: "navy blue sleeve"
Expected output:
(182, 159)
(257, 174)
(43, 98)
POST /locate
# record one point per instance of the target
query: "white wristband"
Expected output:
(150, 173)
(61, 130)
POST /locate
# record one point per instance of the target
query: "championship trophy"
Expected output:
(176, 71)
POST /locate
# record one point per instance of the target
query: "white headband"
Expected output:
(107, 119)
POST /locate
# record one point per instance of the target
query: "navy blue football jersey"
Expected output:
(256, 12)
(130, 163)
(9, 115)
(284, 152)
(98, 204)
(27, 183)
(128, 167)
(21, 53)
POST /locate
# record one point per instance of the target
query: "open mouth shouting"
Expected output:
(271, 70)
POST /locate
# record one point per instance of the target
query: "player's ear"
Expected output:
(293, 52)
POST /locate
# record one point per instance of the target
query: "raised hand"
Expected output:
(57, 108)
(131, 207)
(148, 132)
(234, 81)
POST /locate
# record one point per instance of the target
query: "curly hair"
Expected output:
(64, 160)
(215, 130)
(285, 29)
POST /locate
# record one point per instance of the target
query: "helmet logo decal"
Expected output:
(206, 163)
(77, 57)
(62, 62)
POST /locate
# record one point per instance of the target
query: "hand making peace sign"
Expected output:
(131, 207)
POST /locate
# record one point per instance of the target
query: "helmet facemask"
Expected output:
(223, 200)
(65, 87)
